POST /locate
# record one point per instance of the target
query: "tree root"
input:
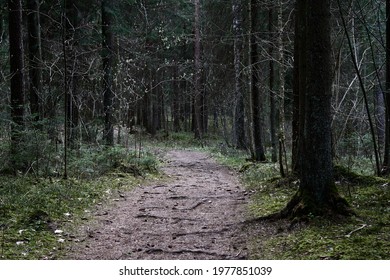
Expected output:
(178, 197)
(186, 251)
(201, 232)
(300, 210)
(196, 205)
(146, 216)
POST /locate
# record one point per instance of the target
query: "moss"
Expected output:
(364, 236)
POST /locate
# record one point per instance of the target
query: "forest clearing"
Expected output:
(193, 129)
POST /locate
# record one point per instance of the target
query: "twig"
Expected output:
(355, 230)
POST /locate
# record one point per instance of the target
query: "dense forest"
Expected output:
(88, 86)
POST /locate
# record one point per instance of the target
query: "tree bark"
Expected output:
(281, 94)
(72, 22)
(197, 76)
(380, 117)
(17, 80)
(175, 100)
(107, 57)
(317, 171)
(299, 85)
(386, 157)
(272, 95)
(35, 57)
(317, 192)
(239, 113)
(258, 150)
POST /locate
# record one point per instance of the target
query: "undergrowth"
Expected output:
(36, 212)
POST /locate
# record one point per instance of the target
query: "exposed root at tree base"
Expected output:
(299, 210)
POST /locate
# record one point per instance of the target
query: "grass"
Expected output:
(365, 236)
(37, 213)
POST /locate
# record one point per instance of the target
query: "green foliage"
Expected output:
(35, 153)
(258, 172)
(36, 212)
(100, 160)
(355, 153)
(32, 210)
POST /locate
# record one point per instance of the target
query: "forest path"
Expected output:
(196, 215)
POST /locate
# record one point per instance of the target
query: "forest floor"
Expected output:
(179, 200)
(198, 213)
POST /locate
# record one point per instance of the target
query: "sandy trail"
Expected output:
(196, 215)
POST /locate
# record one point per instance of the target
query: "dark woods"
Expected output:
(301, 83)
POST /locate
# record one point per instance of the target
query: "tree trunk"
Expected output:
(317, 171)
(386, 157)
(317, 192)
(239, 113)
(281, 94)
(35, 57)
(175, 100)
(197, 76)
(204, 114)
(258, 150)
(71, 25)
(295, 120)
(17, 80)
(299, 85)
(380, 117)
(107, 57)
(272, 95)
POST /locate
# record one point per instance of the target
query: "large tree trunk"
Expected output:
(317, 172)
(107, 57)
(317, 192)
(258, 150)
(17, 80)
(35, 57)
(239, 114)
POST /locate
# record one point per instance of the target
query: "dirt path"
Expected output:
(195, 216)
